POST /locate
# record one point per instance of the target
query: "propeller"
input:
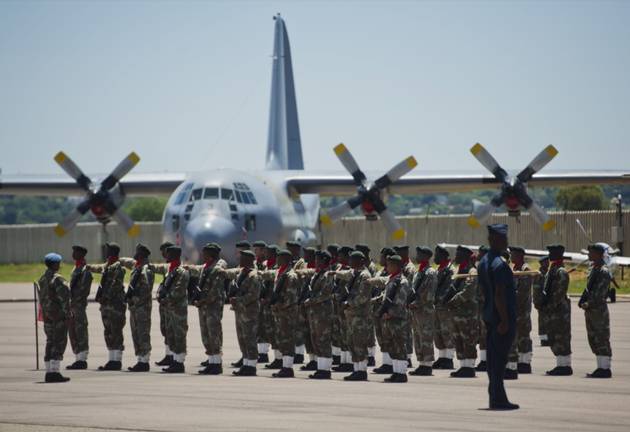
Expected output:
(369, 195)
(513, 192)
(103, 200)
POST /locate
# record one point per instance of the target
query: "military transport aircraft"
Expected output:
(281, 202)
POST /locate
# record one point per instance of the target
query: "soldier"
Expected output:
(302, 336)
(462, 303)
(537, 296)
(408, 270)
(340, 327)
(520, 358)
(297, 262)
(54, 298)
(481, 367)
(333, 250)
(139, 299)
(371, 266)
(593, 301)
(443, 332)
(265, 305)
(241, 246)
(244, 296)
(263, 337)
(210, 300)
(557, 307)
(163, 269)
(377, 302)
(80, 285)
(422, 296)
(111, 296)
(174, 296)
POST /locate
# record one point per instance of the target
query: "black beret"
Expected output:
(174, 250)
(325, 255)
(424, 250)
(243, 244)
(597, 247)
(357, 254)
(165, 245)
(556, 248)
(212, 246)
(333, 248)
(517, 249)
(143, 249)
(259, 243)
(401, 248)
(395, 258)
(113, 248)
(464, 249)
(442, 249)
(362, 247)
(80, 249)
(346, 250)
(248, 253)
(387, 251)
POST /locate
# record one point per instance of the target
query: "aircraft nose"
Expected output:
(202, 231)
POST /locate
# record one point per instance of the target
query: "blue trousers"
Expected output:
(497, 350)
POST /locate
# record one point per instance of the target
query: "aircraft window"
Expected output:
(182, 195)
(234, 216)
(175, 222)
(250, 222)
(238, 196)
(189, 208)
(226, 194)
(251, 197)
(187, 216)
(211, 193)
(246, 198)
(232, 207)
(244, 186)
(196, 194)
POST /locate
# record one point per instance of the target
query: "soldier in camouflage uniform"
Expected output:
(422, 296)
(241, 246)
(520, 358)
(408, 269)
(302, 335)
(263, 337)
(371, 266)
(537, 296)
(483, 333)
(377, 302)
(54, 298)
(557, 306)
(163, 269)
(333, 250)
(139, 298)
(298, 263)
(111, 297)
(340, 327)
(593, 301)
(174, 296)
(462, 302)
(443, 331)
(265, 305)
(80, 285)
(244, 296)
(209, 299)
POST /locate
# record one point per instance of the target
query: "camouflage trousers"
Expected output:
(343, 330)
(246, 331)
(443, 330)
(542, 323)
(395, 338)
(163, 321)
(598, 330)
(114, 320)
(358, 336)
(372, 331)
(177, 327)
(409, 334)
(56, 339)
(285, 321)
(210, 317)
(559, 329)
(320, 326)
(140, 322)
(422, 321)
(483, 332)
(378, 326)
(302, 336)
(265, 325)
(465, 335)
(336, 328)
(78, 329)
(522, 341)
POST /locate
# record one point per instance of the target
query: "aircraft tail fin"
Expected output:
(284, 147)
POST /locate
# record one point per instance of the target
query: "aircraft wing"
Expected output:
(155, 184)
(343, 185)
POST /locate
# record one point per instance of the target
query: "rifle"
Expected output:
(193, 289)
(131, 290)
(388, 301)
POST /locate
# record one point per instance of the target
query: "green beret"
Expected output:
(310, 249)
(424, 250)
(293, 243)
(259, 243)
(442, 249)
(284, 252)
(597, 247)
(395, 259)
(174, 250)
(212, 246)
(113, 248)
(325, 255)
(363, 248)
(165, 245)
(80, 249)
(464, 249)
(243, 244)
(357, 254)
(333, 248)
(401, 248)
(248, 253)
(387, 251)
(346, 250)
(517, 249)
(144, 250)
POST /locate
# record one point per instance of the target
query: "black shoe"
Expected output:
(298, 359)
(464, 372)
(524, 368)
(612, 293)
(238, 364)
(111, 366)
(245, 371)
(77, 365)
(510, 374)
(384, 370)
(166, 361)
(600, 373)
(396, 378)
(212, 369)
(204, 363)
(175, 367)
(443, 363)
(409, 364)
(55, 377)
(560, 371)
(284, 373)
(343, 367)
(139, 367)
(263, 358)
(422, 371)
(371, 362)
(482, 366)
(320, 374)
(544, 343)
(310, 366)
(336, 360)
(276, 364)
(356, 376)
(505, 406)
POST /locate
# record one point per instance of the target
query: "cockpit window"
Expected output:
(211, 193)
(196, 194)
(181, 197)
(238, 196)
(246, 199)
(226, 194)
(251, 197)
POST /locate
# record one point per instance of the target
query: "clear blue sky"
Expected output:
(186, 84)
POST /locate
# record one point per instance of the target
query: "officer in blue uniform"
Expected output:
(499, 313)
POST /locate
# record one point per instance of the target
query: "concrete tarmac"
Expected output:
(156, 402)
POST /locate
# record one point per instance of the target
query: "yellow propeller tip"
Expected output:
(551, 150)
(133, 158)
(60, 157)
(399, 234)
(134, 230)
(476, 149)
(340, 148)
(549, 225)
(412, 162)
(473, 222)
(60, 231)
(325, 219)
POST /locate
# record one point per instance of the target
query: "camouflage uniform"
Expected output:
(409, 270)
(371, 321)
(175, 301)
(423, 314)
(593, 301)
(111, 296)
(284, 308)
(377, 302)
(464, 308)
(54, 298)
(340, 328)
(557, 307)
(443, 335)
(245, 290)
(521, 351)
(537, 297)
(140, 301)
(319, 309)
(302, 335)
(80, 285)
(264, 337)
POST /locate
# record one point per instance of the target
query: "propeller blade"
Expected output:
(542, 159)
(481, 214)
(132, 228)
(72, 218)
(541, 216)
(340, 210)
(391, 225)
(348, 161)
(396, 172)
(486, 159)
(73, 170)
(120, 171)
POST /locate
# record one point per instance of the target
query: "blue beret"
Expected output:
(52, 258)
(501, 229)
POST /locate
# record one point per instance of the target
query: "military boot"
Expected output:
(139, 367)
(524, 368)
(409, 364)
(504, 406)
(464, 372)
(560, 371)
(204, 363)
(263, 358)
(212, 369)
(396, 378)
(383, 370)
(510, 374)
(422, 371)
(77, 365)
(320, 374)
(284, 373)
(443, 363)
(245, 371)
(276, 364)
(336, 360)
(238, 364)
(600, 373)
(482, 366)
(111, 366)
(371, 361)
(166, 361)
(343, 367)
(298, 359)
(175, 367)
(356, 376)
(55, 377)
(310, 366)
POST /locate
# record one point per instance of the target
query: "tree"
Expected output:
(146, 209)
(581, 198)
